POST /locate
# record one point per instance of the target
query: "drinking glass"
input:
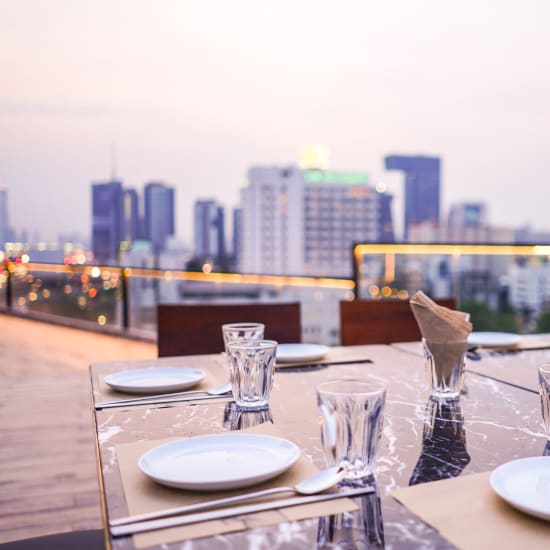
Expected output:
(444, 363)
(544, 380)
(251, 368)
(352, 417)
(242, 333)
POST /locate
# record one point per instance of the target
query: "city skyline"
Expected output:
(217, 87)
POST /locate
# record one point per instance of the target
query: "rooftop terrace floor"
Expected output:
(48, 469)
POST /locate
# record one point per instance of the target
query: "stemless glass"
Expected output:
(544, 380)
(242, 333)
(445, 368)
(352, 417)
(251, 368)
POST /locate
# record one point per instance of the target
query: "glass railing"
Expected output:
(503, 287)
(124, 299)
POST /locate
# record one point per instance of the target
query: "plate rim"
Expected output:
(200, 375)
(236, 483)
(512, 464)
(322, 350)
(512, 338)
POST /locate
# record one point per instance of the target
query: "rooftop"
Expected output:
(48, 469)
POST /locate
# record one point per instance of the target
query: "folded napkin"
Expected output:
(438, 323)
(143, 495)
(471, 516)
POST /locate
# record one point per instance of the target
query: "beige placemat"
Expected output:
(144, 495)
(211, 380)
(467, 513)
(334, 355)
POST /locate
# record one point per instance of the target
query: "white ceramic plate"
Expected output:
(300, 352)
(493, 339)
(213, 462)
(154, 379)
(525, 484)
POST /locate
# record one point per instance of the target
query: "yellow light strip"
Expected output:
(452, 249)
(220, 278)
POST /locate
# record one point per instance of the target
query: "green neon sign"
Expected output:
(319, 176)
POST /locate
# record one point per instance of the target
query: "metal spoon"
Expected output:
(315, 484)
(218, 391)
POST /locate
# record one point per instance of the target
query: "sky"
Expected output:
(194, 92)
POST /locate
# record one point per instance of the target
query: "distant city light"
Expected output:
(101, 320)
(314, 157)
(95, 272)
(381, 187)
(207, 268)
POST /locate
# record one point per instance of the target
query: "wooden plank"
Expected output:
(48, 475)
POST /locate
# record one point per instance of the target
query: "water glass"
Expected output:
(251, 368)
(544, 380)
(444, 363)
(352, 417)
(243, 333)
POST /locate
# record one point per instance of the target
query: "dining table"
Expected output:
(425, 446)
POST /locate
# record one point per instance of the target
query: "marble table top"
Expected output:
(493, 422)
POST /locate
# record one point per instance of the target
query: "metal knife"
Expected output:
(154, 401)
(174, 521)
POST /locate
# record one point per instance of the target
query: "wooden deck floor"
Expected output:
(48, 476)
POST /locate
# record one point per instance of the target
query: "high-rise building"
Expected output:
(237, 235)
(305, 221)
(107, 220)
(130, 230)
(209, 234)
(422, 188)
(159, 214)
(4, 225)
(467, 222)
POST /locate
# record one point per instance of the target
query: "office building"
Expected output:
(130, 229)
(107, 220)
(159, 214)
(422, 189)
(209, 232)
(467, 222)
(4, 225)
(304, 222)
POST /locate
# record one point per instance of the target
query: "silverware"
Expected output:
(219, 391)
(316, 483)
(153, 525)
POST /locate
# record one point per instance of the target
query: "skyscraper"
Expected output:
(422, 188)
(4, 226)
(131, 215)
(209, 230)
(107, 220)
(159, 214)
(304, 222)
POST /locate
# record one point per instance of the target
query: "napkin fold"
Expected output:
(438, 323)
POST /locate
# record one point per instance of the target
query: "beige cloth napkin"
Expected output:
(438, 323)
(467, 513)
(445, 332)
(143, 495)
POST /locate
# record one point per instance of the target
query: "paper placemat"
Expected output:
(467, 512)
(335, 354)
(144, 495)
(211, 380)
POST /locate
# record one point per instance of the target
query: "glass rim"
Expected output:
(229, 326)
(373, 386)
(253, 344)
